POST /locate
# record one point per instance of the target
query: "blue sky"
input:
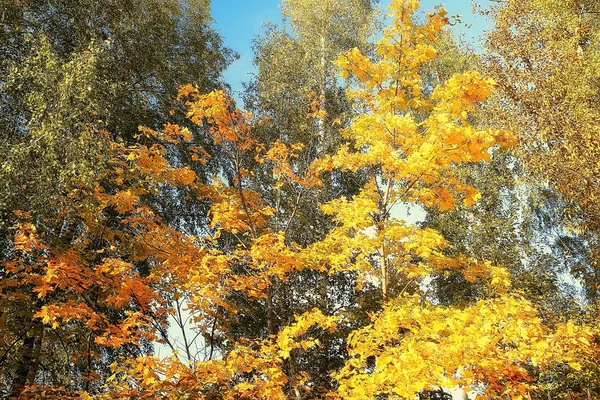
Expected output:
(240, 21)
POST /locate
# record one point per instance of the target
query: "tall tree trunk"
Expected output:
(321, 145)
(384, 273)
(382, 251)
(29, 363)
(270, 312)
(22, 371)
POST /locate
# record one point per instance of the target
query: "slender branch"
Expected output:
(89, 361)
(181, 324)
(212, 338)
(241, 193)
(296, 206)
(156, 248)
(157, 325)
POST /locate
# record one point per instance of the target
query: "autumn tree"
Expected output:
(296, 88)
(407, 142)
(410, 141)
(246, 254)
(72, 301)
(90, 301)
(52, 157)
(71, 72)
(75, 66)
(516, 222)
(543, 54)
(302, 101)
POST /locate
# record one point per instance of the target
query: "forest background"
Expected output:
(272, 251)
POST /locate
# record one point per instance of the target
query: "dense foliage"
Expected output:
(158, 242)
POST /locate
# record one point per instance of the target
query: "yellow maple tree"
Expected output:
(408, 137)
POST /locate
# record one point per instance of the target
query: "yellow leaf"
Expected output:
(575, 365)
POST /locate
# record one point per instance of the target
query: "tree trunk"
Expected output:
(321, 146)
(29, 363)
(381, 227)
(384, 273)
(270, 312)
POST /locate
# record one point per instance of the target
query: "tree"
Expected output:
(60, 153)
(544, 56)
(302, 102)
(71, 72)
(411, 141)
(151, 47)
(75, 67)
(73, 301)
(90, 298)
(324, 29)
(514, 224)
(254, 258)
